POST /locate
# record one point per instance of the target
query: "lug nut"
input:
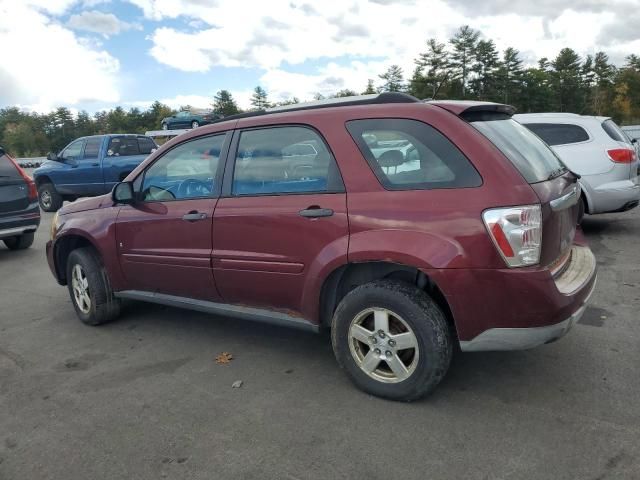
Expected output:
(387, 353)
(381, 333)
(377, 350)
(373, 339)
(392, 343)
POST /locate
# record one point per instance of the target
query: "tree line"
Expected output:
(467, 66)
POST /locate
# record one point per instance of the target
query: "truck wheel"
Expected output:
(392, 339)
(90, 289)
(21, 242)
(50, 200)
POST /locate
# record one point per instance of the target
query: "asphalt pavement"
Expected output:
(143, 397)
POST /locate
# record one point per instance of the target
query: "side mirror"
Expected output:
(53, 157)
(123, 193)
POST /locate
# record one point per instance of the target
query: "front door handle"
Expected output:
(194, 216)
(315, 212)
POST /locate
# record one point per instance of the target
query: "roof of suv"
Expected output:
(550, 116)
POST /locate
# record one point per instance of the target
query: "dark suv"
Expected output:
(19, 211)
(407, 228)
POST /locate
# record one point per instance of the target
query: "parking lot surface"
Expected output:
(143, 397)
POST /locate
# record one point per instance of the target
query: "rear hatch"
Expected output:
(618, 155)
(14, 191)
(556, 186)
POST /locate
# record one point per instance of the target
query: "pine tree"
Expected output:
(345, 92)
(224, 104)
(371, 89)
(434, 68)
(485, 68)
(462, 58)
(393, 80)
(566, 81)
(510, 75)
(259, 98)
(604, 77)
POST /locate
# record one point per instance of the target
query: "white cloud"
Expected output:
(106, 24)
(242, 97)
(43, 64)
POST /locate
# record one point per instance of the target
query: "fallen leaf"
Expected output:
(236, 384)
(224, 358)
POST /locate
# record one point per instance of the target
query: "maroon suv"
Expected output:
(405, 227)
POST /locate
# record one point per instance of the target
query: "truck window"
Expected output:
(92, 148)
(146, 145)
(123, 146)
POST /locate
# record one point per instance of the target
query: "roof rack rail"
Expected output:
(375, 99)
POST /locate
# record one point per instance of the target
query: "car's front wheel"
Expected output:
(392, 339)
(49, 198)
(195, 124)
(21, 242)
(90, 289)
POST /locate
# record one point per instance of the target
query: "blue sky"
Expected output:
(95, 54)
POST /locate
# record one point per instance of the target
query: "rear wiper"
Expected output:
(556, 173)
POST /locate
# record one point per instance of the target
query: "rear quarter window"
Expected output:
(558, 133)
(614, 131)
(411, 155)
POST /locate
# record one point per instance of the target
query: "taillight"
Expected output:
(32, 190)
(516, 233)
(621, 155)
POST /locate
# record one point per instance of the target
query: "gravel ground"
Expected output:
(143, 398)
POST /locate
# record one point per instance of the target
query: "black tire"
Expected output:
(422, 315)
(21, 242)
(582, 209)
(104, 307)
(50, 200)
(195, 124)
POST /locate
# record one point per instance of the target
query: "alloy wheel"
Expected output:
(383, 345)
(80, 285)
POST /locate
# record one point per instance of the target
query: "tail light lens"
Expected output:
(32, 190)
(621, 155)
(516, 233)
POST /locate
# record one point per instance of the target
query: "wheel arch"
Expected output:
(42, 179)
(63, 248)
(347, 277)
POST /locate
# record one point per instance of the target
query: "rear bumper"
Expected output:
(615, 197)
(17, 225)
(518, 308)
(496, 339)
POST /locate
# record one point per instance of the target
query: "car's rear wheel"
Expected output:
(90, 289)
(392, 339)
(50, 200)
(21, 242)
(582, 209)
(195, 124)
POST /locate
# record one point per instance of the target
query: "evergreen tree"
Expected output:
(224, 104)
(464, 44)
(485, 67)
(567, 82)
(345, 93)
(371, 89)
(433, 69)
(259, 98)
(393, 80)
(510, 76)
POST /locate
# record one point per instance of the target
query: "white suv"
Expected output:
(596, 149)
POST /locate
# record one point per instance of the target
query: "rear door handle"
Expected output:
(315, 212)
(194, 216)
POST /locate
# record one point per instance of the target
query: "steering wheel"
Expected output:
(192, 187)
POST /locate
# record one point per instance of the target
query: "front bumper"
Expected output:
(496, 339)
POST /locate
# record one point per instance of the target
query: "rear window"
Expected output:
(411, 155)
(558, 133)
(123, 146)
(92, 147)
(614, 131)
(535, 161)
(7, 168)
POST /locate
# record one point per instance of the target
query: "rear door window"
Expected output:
(124, 146)
(284, 160)
(533, 158)
(558, 133)
(411, 155)
(146, 145)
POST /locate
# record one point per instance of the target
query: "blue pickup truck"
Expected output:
(89, 166)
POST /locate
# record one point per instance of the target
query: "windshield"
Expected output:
(529, 154)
